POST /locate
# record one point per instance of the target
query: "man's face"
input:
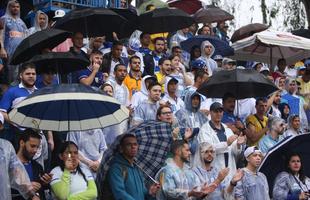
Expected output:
(195, 102)
(117, 51)
(28, 77)
(229, 104)
(135, 65)
(48, 78)
(280, 127)
(130, 147)
(160, 46)
(208, 155)
(14, 9)
(177, 52)
(172, 87)
(185, 153)
(120, 73)
(206, 31)
(96, 59)
(217, 115)
(166, 67)
(146, 40)
(277, 99)
(295, 123)
(261, 107)
(185, 30)
(30, 148)
(255, 159)
(42, 20)
(77, 40)
(155, 93)
(166, 115)
(97, 42)
(208, 50)
(292, 87)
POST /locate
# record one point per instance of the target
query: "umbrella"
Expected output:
(61, 62)
(92, 22)
(212, 14)
(274, 162)
(65, 107)
(242, 83)
(188, 6)
(302, 32)
(154, 139)
(247, 30)
(35, 43)
(269, 46)
(156, 3)
(221, 47)
(164, 20)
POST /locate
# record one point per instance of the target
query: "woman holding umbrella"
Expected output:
(292, 183)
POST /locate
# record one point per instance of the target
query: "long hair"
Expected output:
(302, 176)
(62, 149)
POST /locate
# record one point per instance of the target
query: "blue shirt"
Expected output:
(13, 96)
(99, 78)
(267, 142)
(144, 51)
(40, 84)
(28, 167)
(229, 118)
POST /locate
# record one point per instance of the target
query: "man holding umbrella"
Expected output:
(125, 179)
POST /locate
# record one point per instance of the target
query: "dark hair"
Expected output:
(26, 66)
(97, 52)
(162, 60)
(159, 38)
(301, 172)
(158, 113)
(281, 60)
(192, 52)
(227, 96)
(62, 149)
(129, 135)
(199, 74)
(177, 144)
(117, 66)
(152, 84)
(143, 34)
(117, 43)
(260, 99)
(175, 47)
(134, 57)
(29, 133)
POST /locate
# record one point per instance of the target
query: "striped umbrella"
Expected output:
(68, 108)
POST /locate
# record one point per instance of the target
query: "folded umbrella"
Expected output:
(35, 43)
(65, 107)
(248, 30)
(212, 14)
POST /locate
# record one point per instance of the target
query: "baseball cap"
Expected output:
(216, 106)
(59, 14)
(251, 150)
(228, 60)
(264, 68)
(218, 57)
(198, 64)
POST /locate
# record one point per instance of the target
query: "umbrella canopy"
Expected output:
(247, 30)
(61, 62)
(156, 3)
(302, 32)
(221, 47)
(270, 46)
(164, 20)
(212, 14)
(154, 139)
(92, 22)
(242, 83)
(65, 107)
(188, 6)
(35, 43)
(274, 162)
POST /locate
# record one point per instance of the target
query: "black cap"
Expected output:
(216, 106)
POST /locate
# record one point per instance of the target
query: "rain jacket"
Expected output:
(36, 27)
(175, 104)
(141, 95)
(212, 65)
(126, 180)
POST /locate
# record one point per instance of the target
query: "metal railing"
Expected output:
(64, 3)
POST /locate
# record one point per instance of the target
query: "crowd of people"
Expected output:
(218, 144)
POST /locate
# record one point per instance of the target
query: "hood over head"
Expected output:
(202, 47)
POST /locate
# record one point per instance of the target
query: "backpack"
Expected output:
(106, 192)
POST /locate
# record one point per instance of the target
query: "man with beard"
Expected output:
(178, 181)
(133, 78)
(208, 174)
(28, 146)
(253, 185)
(276, 127)
(165, 70)
(274, 102)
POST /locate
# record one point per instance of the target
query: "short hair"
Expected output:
(227, 96)
(29, 133)
(26, 66)
(175, 47)
(162, 60)
(153, 84)
(176, 145)
(172, 56)
(129, 135)
(273, 121)
(159, 38)
(143, 34)
(118, 66)
(199, 74)
(134, 57)
(96, 52)
(117, 43)
(260, 99)
(281, 60)
(158, 113)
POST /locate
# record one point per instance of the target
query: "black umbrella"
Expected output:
(61, 62)
(35, 43)
(164, 20)
(212, 14)
(242, 83)
(129, 27)
(247, 30)
(302, 32)
(92, 22)
(274, 161)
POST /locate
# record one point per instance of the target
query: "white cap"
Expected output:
(251, 150)
(59, 14)
(264, 68)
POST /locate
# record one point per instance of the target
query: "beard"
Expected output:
(26, 154)
(206, 161)
(185, 160)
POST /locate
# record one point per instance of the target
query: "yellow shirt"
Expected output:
(160, 77)
(258, 124)
(132, 84)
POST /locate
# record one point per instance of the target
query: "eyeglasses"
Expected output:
(166, 113)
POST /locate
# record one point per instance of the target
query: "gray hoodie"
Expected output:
(36, 27)
(212, 65)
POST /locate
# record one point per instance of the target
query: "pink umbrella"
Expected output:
(188, 6)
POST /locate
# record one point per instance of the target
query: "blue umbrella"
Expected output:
(274, 161)
(221, 47)
(68, 108)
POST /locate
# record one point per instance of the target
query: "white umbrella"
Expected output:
(269, 46)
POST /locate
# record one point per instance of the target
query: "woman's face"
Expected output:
(197, 53)
(108, 90)
(71, 153)
(286, 110)
(175, 62)
(281, 83)
(294, 164)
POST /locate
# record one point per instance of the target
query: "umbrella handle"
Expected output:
(152, 179)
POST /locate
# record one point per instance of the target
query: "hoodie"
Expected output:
(212, 65)
(126, 180)
(36, 27)
(141, 95)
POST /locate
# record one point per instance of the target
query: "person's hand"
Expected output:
(105, 76)
(51, 144)
(36, 186)
(46, 178)
(35, 197)
(3, 53)
(205, 111)
(222, 174)
(239, 124)
(154, 189)
(188, 133)
(131, 110)
(175, 132)
(231, 139)
(241, 139)
(304, 196)
(96, 66)
(207, 189)
(195, 193)
(237, 176)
